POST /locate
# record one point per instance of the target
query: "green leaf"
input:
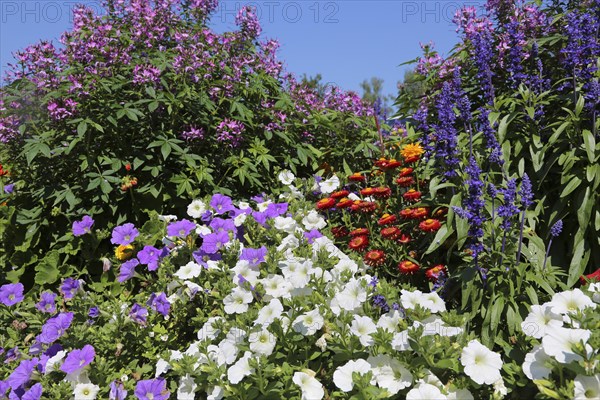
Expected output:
(572, 185)
(47, 269)
(165, 150)
(590, 145)
(82, 128)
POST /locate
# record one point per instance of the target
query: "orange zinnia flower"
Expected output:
(412, 152)
(360, 232)
(405, 181)
(408, 267)
(356, 177)
(383, 192)
(391, 232)
(386, 219)
(433, 273)
(344, 203)
(367, 191)
(374, 258)
(430, 225)
(412, 195)
(420, 212)
(406, 171)
(326, 203)
(367, 206)
(359, 243)
(339, 194)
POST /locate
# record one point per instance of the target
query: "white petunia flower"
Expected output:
(167, 218)
(310, 387)
(216, 393)
(400, 341)
(203, 230)
(196, 208)
(537, 364)
(390, 374)
(362, 327)
(481, 364)
(52, 363)
(209, 329)
(570, 302)
(342, 377)
(237, 302)
(240, 219)
(459, 394)
(308, 323)
(189, 271)
(243, 268)
(389, 322)
(352, 296)
(162, 366)
(276, 286)
(290, 242)
(86, 391)
(425, 391)
(262, 206)
(346, 264)
(595, 289)
(262, 342)
(587, 387)
(240, 369)
(559, 343)
(410, 300)
(433, 302)
(500, 389)
(540, 320)
(285, 224)
(187, 388)
(313, 220)
(434, 325)
(329, 185)
(286, 177)
(269, 313)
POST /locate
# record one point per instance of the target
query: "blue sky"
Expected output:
(346, 41)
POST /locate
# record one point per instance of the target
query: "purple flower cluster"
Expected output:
(230, 131)
(193, 133)
(159, 303)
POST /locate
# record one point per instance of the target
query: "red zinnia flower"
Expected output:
(434, 273)
(386, 219)
(344, 203)
(405, 181)
(367, 206)
(593, 277)
(406, 171)
(339, 231)
(383, 192)
(412, 195)
(408, 267)
(440, 212)
(356, 177)
(340, 194)
(391, 232)
(387, 165)
(367, 191)
(359, 243)
(326, 203)
(404, 238)
(355, 206)
(360, 232)
(430, 225)
(420, 212)
(374, 258)
(407, 213)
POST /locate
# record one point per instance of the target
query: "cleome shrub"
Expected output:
(145, 108)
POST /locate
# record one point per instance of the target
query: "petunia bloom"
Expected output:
(82, 227)
(124, 234)
(152, 389)
(180, 228)
(78, 359)
(11, 294)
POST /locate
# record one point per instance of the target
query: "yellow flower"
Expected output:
(124, 252)
(412, 151)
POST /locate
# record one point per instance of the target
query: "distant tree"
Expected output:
(410, 92)
(373, 94)
(316, 83)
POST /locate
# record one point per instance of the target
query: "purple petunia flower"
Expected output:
(254, 256)
(138, 314)
(49, 353)
(221, 204)
(180, 228)
(8, 189)
(127, 270)
(12, 355)
(213, 242)
(4, 386)
(69, 288)
(11, 294)
(124, 234)
(94, 312)
(117, 391)
(78, 359)
(159, 303)
(82, 227)
(202, 257)
(149, 256)
(21, 375)
(34, 392)
(312, 235)
(152, 389)
(46, 303)
(222, 225)
(55, 327)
